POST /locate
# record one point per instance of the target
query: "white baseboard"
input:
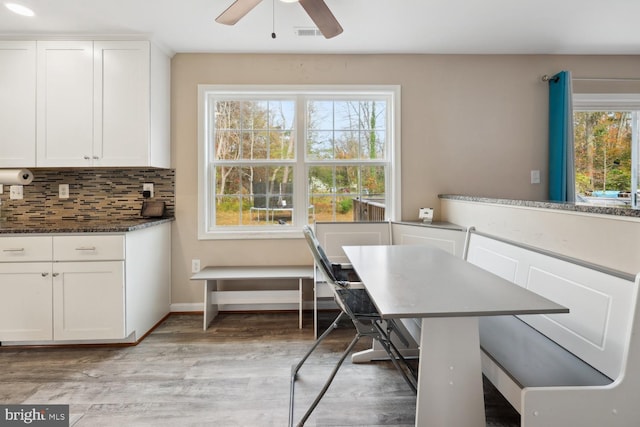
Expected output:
(186, 307)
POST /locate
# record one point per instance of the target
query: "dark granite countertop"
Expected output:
(574, 207)
(36, 226)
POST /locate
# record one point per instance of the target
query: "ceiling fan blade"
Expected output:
(320, 14)
(237, 10)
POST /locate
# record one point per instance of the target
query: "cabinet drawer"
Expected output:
(34, 248)
(88, 248)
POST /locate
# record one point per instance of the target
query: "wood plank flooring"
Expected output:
(234, 374)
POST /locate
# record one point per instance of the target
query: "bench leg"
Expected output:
(210, 310)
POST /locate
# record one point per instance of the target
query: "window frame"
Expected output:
(617, 102)
(206, 230)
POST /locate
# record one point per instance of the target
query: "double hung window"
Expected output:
(273, 159)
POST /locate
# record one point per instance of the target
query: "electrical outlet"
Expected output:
(63, 191)
(15, 192)
(148, 186)
(195, 265)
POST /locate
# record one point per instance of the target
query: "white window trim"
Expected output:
(393, 179)
(606, 101)
(616, 102)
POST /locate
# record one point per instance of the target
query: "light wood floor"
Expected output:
(234, 374)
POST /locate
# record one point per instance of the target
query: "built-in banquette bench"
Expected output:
(575, 369)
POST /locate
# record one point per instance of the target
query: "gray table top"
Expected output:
(423, 281)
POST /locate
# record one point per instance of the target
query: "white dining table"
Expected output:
(448, 294)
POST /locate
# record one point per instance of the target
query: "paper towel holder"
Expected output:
(16, 176)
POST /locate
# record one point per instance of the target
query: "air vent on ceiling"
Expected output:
(307, 32)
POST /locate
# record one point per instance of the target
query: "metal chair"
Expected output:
(356, 304)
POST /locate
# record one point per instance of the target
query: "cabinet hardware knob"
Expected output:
(96, 158)
(87, 158)
(13, 250)
(55, 274)
(45, 274)
(86, 248)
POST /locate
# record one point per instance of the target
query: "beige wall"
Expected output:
(471, 124)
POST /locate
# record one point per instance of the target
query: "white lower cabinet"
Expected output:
(26, 301)
(88, 300)
(84, 288)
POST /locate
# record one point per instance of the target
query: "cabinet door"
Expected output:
(88, 300)
(25, 301)
(65, 103)
(17, 104)
(122, 108)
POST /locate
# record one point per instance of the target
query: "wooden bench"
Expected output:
(577, 369)
(213, 297)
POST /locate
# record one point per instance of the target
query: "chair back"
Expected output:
(319, 256)
(322, 261)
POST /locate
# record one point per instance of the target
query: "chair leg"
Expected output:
(395, 356)
(295, 369)
(329, 380)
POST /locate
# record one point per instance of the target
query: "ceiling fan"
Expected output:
(317, 10)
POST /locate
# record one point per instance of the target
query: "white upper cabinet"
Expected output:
(95, 104)
(17, 104)
(65, 103)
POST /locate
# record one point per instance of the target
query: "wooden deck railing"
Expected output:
(368, 210)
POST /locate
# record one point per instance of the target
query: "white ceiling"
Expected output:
(370, 26)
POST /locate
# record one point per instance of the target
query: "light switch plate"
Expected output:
(15, 192)
(535, 177)
(1, 188)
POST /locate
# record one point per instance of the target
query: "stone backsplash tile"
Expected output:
(99, 194)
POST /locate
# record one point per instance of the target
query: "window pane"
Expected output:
(372, 145)
(282, 145)
(603, 156)
(251, 195)
(333, 190)
(255, 115)
(254, 144)
(228, 212)
(282, 114)
(373, 182)
(358, 132)
(347, 145)
(320, 115)
(320, 145)
(346, 115)
(227, 145)
(227, 115)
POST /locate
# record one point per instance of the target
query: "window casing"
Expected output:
(274, 158)
(607, 148)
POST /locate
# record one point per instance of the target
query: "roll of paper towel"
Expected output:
(16, 176)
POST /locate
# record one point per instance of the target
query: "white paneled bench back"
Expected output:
(576, 369)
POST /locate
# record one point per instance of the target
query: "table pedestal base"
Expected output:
(450, 375)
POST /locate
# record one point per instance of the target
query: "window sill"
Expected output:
(289, 233)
